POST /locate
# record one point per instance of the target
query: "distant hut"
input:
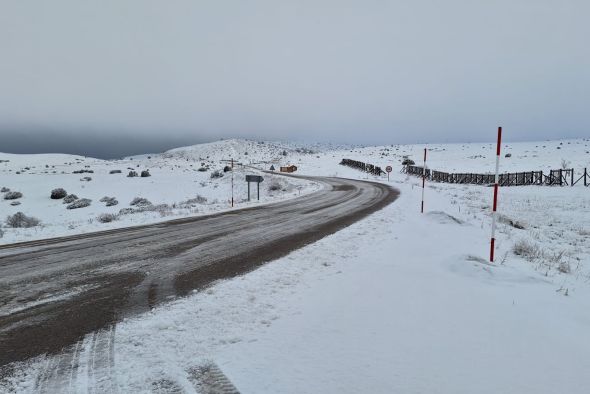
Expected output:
(291, 168)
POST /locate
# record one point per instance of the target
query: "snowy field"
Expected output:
(181, 183)
(398, 302)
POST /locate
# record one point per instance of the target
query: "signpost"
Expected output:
(257, 179)
(388, 169)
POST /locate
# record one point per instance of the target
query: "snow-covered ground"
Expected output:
(180, 185)
(398, 302)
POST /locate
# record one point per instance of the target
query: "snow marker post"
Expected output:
(495, 204)
(423, 181)
(232, 182)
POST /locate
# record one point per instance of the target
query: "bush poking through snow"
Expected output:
(408, 162)
(70, 198)
(274, 186)
(202, 169)
(81, 203)
(107, 217)
(4, 190)
(564, 267)
(191, 202)
(145, 174)
(114, 171)
(527, 250)
(58, 194)
(20, 220)
(132, 174)
(216, 174)
(110, 201)
(140, 202)
(13, 195)
(15, 203)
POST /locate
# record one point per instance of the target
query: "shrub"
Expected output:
(202, 169)
(140, 202)
(132, 174)
(216, 174)
(564, 267)
(15, 203)
(107, 217)
(20, 220)
(81, 203)
(86, 179)
(226, 168)
(408, 162)
(274, 186)
(4, 190)
(193, 201)
(114, 171)
(13, 195)
(58, 194)
(527, 250)
(110, 201)
(145, 173)
(126, 211)
(70, 198)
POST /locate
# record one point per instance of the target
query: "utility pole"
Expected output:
(232, 178)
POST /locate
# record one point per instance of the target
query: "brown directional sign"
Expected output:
(254, 178)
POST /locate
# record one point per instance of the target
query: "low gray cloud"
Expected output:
(161, 73)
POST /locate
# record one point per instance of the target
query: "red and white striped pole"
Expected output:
(423, 181)
(495, 205)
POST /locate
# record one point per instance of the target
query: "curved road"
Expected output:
(54, 292)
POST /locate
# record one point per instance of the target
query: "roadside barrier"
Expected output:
(359, 165)
(561, 177)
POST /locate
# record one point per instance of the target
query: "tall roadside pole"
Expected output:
(495, 204)
(232, 182)
(423, 181)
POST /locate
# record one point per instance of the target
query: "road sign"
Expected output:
(254, 178)
(388, 168)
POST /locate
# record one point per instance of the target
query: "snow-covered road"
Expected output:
(56, 291)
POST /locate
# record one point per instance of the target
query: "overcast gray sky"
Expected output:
(361, 71)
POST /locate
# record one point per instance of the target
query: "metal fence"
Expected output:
(561, 177)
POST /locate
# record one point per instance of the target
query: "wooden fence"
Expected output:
(359, 165)
(561, 177)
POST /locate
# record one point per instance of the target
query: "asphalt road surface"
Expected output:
(54, 292)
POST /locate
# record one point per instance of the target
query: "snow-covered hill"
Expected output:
(181, 183)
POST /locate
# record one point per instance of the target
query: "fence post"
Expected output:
(495, 205)
(572, 181)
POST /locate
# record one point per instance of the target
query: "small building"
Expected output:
(290, 168)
